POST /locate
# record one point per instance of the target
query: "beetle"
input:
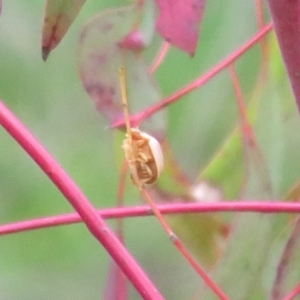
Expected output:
(142, 151)
(144, 156)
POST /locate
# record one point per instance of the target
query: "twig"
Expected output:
(145, 210)
(78, 200)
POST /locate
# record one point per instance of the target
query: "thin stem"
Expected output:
(158, 214)
(248, 136)
(120, 199)
(200, 81)
(145, 210)
(286, 261)
(245, 124)
(81, 204)
(293, 293)
(178, 244)
(124, 97)
(263, 43)
(116, 284)
(252, 151)
(160, 57)
(259, 14)
(206, 278)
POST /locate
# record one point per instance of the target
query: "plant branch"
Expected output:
(198, 82)
(145, 210)
(286, 261)
(160, 57)
(178, 244)
(78, 200)
(295, 292)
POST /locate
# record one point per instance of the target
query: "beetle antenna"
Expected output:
(123, 85)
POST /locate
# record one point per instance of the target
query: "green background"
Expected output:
(67, 262)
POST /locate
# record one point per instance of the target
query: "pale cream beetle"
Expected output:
(142, 151)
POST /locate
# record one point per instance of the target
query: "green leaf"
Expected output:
(59, 15)
(248, 267)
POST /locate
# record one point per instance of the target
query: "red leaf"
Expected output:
(59, 15)
(0, 6)
(179, 22)
(286, 18)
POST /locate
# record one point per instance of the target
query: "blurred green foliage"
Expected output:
(66, 262)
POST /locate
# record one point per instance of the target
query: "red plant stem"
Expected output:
(286, 18)
(293, 293)
(178, 244)
(77, 199)
(116, 283)
(286, 262)
(259, 13)
(263, 44)
(248, 133)
(160, 57)
(206, 278)
(120, 200)
(198, 82)
(140, 211)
